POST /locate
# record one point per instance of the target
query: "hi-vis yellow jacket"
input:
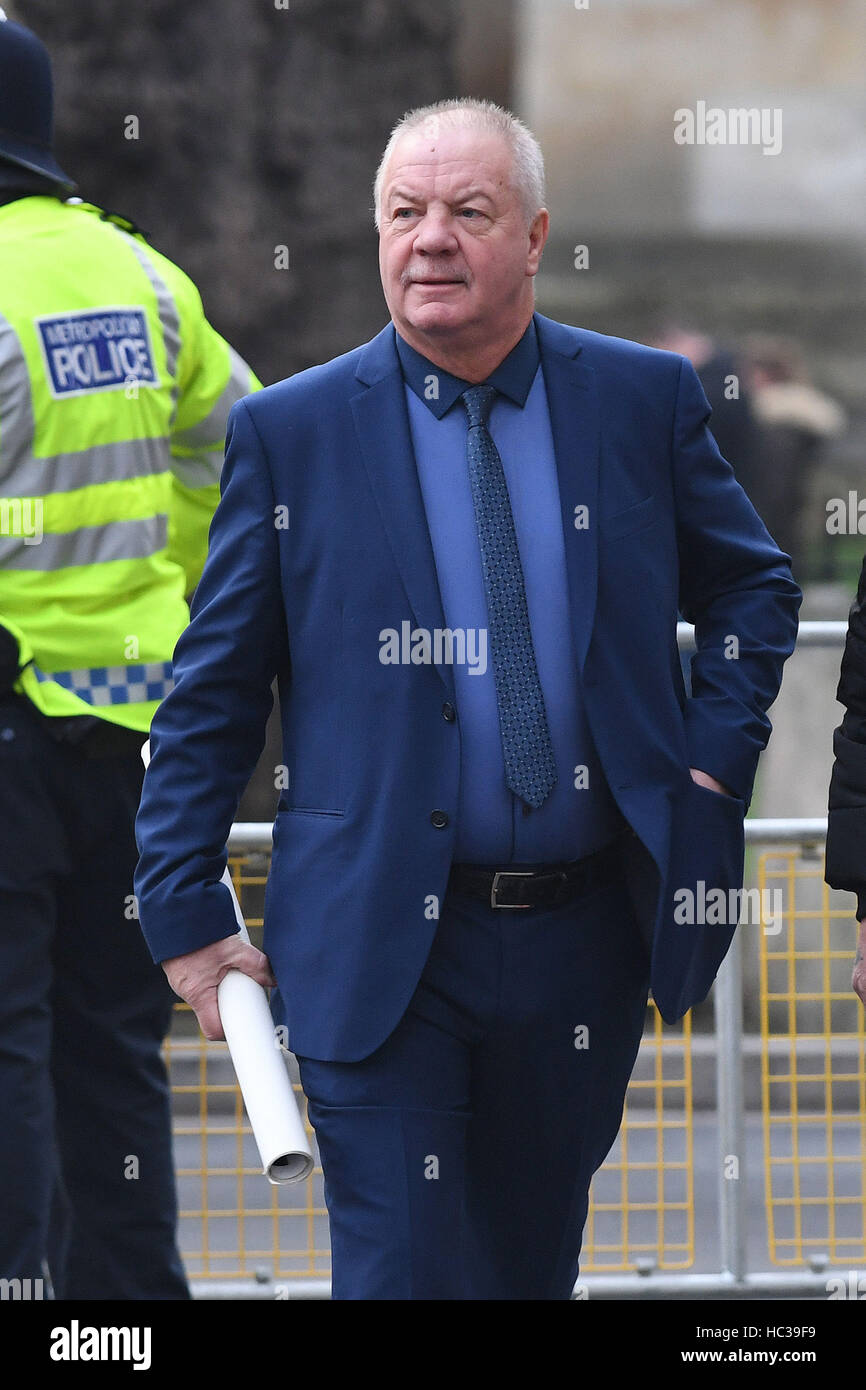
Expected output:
(114, 394)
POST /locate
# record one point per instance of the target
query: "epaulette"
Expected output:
(125, 224)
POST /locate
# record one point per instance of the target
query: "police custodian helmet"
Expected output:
(27, 103)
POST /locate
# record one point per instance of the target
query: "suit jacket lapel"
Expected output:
(384, 438)
(382, 428)
(572, 398)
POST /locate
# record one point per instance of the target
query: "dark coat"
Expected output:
(846, 828)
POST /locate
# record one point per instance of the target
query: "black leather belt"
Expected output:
(536, 885)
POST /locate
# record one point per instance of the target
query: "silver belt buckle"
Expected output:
(509, 873)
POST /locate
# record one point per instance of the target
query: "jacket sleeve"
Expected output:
(209, 730)
(736, 587)
(846, 819)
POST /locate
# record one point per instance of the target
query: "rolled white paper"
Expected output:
(264, 1081)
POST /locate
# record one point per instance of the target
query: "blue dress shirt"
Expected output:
(493, 825)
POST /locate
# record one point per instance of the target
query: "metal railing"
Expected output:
(639, 1239)
(253, 1241)
(809, 634)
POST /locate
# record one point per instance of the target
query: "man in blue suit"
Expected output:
(461, 549)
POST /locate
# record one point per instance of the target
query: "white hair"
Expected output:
(527, 159)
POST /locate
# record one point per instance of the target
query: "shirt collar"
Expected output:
(513, 377)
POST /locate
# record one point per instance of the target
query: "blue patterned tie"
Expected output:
(530, 768)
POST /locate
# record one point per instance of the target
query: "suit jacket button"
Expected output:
(449, 712)
(439, 819)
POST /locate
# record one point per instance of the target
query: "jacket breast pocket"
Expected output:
(638, 517)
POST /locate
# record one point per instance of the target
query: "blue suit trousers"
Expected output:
(458, 1156)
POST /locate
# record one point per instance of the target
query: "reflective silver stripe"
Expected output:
(89, 545)
(103, 463)
(210, 432)
(16, 403)
(199, 471)
(166, 307)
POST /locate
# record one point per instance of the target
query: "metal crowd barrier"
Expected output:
(243, 1239)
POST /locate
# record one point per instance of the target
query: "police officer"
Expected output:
(114, 393)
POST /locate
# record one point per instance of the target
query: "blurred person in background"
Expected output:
(732, 421)
(795, 422)
(114, 395)
(845, 865)
(721, 372)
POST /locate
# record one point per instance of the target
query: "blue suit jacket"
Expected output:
(320, 541)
